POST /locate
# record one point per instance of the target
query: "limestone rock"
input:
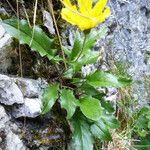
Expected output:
(128, 42)
(5, 50)
(13, 142)
(29, 87)
(24, 94)
(8, 139)
(9, 91)
(4, 118)
(48, 22)
(31, 108)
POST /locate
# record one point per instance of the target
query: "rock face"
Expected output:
(5, 50)
(129, 42)
(30, 108)
(22, 98)
(9, 91)
(29, 88)
(24, 93)
(9, 138)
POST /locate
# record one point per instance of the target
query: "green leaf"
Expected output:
(67, 51)
(93, 36)
(149, 124)
(141, 123)
(142, 132)
(100, 130)
(103, 79)
(91, 91)
(82, 138)
(91, 108)
(91, 39)
(49, 97)
(68, 102)
(107, 105)
(69, 73)
(143, 143)
(142, 117)
(38, 41)
(57, 59)
(111, 121)
(125, 81)
(77, 45)
(144, 111)
(89, 58)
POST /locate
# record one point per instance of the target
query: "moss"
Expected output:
(3, 16)
(146, 57)
(121, 69)
(147, 86)
(41, 131)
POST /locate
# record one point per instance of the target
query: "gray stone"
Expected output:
(129, 41)
(6, 51)
(48, 22)
(2, 32)
(13, 142)
(26, 94)
(31, 108)
(112, 95)
(4, 118)
(9, 91)
(29, 87)
(9, 140)
(86, 70)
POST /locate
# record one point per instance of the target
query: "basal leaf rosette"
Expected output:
(85, 14)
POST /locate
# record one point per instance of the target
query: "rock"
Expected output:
(86, 70)
(112, 95)
(128, 42)
(9, 140)
(26, 94)
(9, 91)
(30, 88)
(31, 108)
(2, 32)
(48, 22)
(13, 141)
(4, 118)
(32, 92)
(5, 50)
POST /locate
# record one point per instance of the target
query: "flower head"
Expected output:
(85, 14)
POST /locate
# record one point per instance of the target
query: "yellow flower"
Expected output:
(85, 15)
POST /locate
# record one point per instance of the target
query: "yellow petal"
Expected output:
(104, 15)
(88, 4)
(86, 17)
(85, 6)
(67, 3)
(87, 25)
(76, 19)
(99, 7)
(70, 16)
